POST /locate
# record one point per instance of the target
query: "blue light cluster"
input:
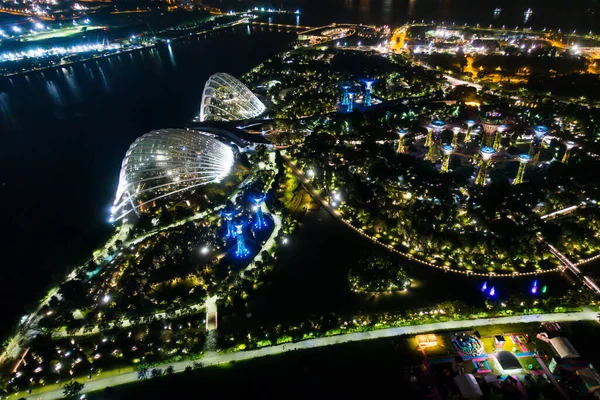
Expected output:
(259, 221)
(241, 250)
(228, 213)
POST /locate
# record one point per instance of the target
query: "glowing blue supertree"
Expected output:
(368, 85)
(258, 199)
(241, 251)
(345, 88)
(228, 212)
(350, 102)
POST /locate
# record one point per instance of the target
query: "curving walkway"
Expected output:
(215, 359)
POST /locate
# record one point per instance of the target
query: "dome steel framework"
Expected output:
(164, 162)
(227, 99)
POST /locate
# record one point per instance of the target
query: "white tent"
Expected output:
(468, 387)
(563, 347)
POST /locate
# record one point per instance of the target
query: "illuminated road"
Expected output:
(564, 211)
(454, 81)
(215, 359)
(457, 82)
(310, 188)
(281, 25)
(25, 14)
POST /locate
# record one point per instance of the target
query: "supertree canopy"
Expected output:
(368, 85)
(491, 120)
(226, 99)
(166, 162)
(540, 131)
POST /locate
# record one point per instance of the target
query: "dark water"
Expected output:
(582, 15)
(65, 131)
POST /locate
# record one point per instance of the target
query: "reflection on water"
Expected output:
(544, 13)
(69, 76)
(7, 119)
(54, 92)
(386, 12)
(528, 14)
(171, 56)
(365, 6)
(103, 78)
(411, 8)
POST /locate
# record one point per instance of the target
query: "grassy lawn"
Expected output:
(60, 33)
(294, 197)
(493, 330)
(530, 363)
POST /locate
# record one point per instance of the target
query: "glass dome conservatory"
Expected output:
(227, 99)
(166, 162)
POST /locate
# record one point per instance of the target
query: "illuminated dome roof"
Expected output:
(165, 162)
(226, 99)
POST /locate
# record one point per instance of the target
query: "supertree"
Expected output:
(490, 121)
(486, 154)
(345, 88)
(401, 134)
(368, 85)
(523, 161)
(447, 150)
(567, 154)
(470, 124)
(455, 131)
(241, 251)
(434, 130)
(228, 212)
(258, 199)
(498, 136)
(540, 132)
(350, 102)
(429, 137)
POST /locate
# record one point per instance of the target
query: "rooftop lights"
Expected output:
(487, 152)
(447, 149)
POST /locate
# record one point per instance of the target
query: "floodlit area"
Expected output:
(512, 359)
(61, 32)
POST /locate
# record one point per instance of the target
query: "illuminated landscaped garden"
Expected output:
(339, 191)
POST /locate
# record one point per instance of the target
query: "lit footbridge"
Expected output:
(571, 266)
(281, 25)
